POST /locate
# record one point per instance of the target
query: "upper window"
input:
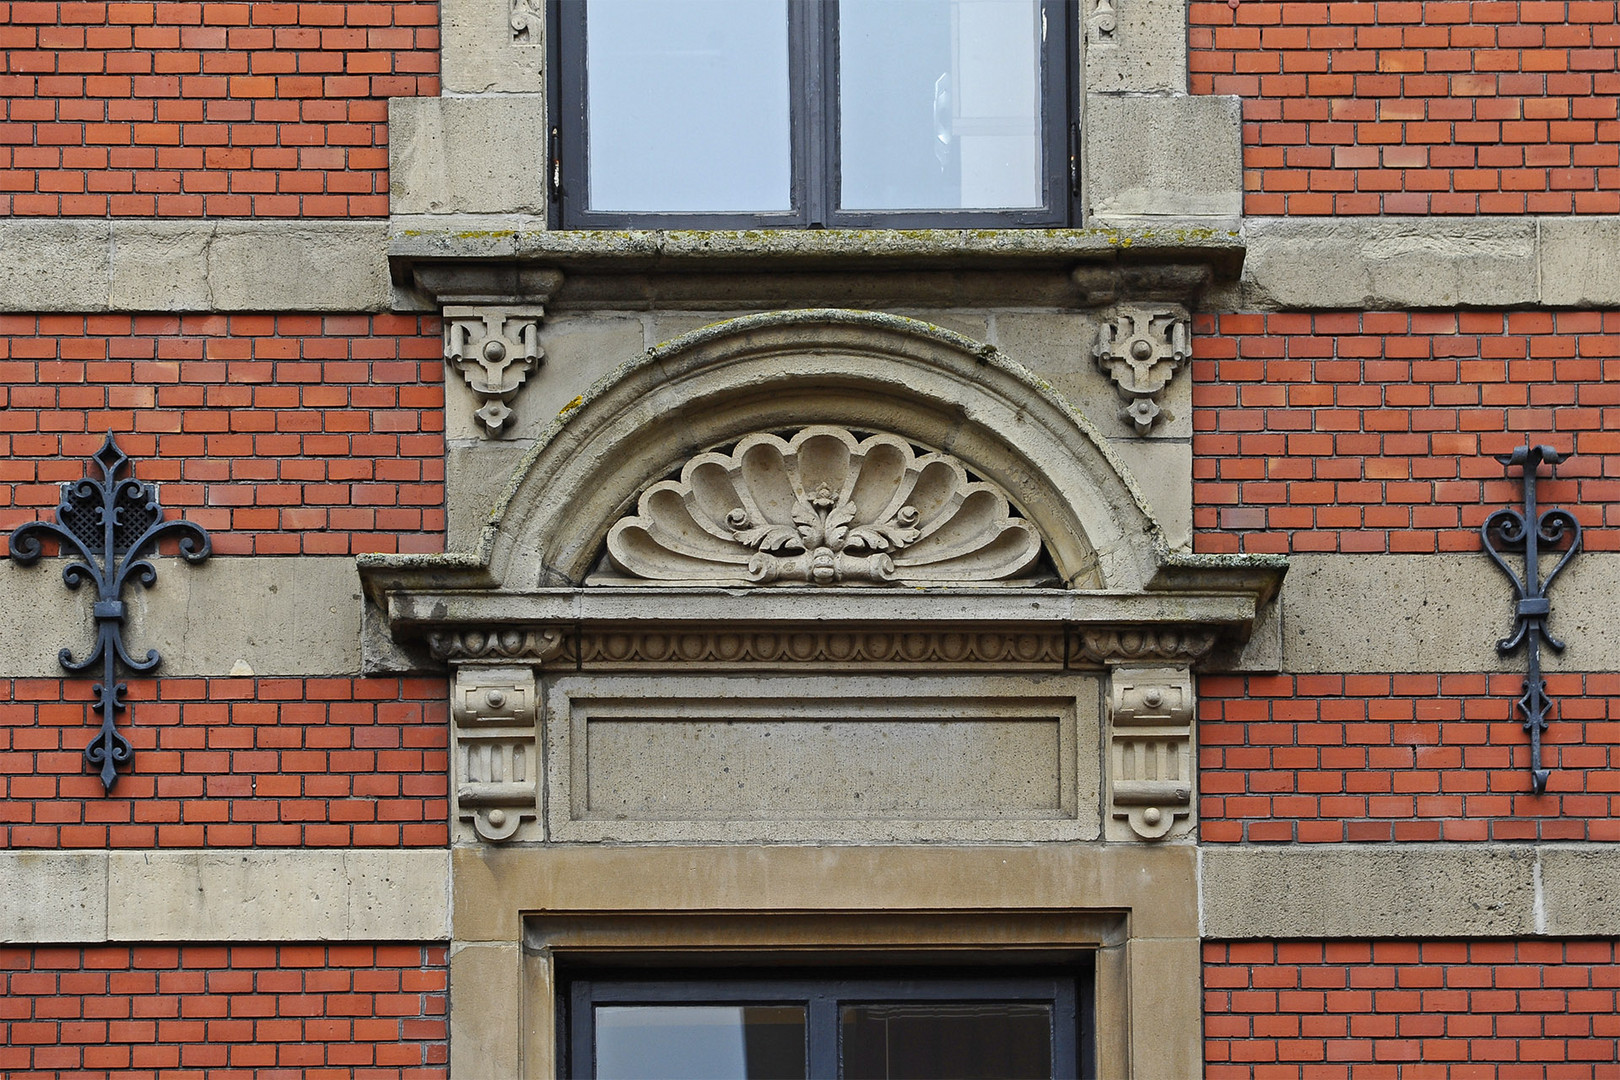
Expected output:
(747, 113)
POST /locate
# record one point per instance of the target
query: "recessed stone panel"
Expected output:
(844, 759)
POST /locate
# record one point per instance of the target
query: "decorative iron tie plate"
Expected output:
(1508, 530)
(112, 525)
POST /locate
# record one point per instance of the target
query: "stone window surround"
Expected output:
(1162, 191)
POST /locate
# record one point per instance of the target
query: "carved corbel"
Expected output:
(495, 714)
(1150, 752)
(495, 349)
(1141, 350)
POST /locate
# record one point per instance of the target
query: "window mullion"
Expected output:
(808, 29)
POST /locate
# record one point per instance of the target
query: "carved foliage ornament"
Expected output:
(823, 508)
(1141, 350)
(495, 350)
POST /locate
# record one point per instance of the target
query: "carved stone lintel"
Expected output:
(1102, 24)
(529, 644)
(497, 760)
(527, 22)
(1105, 645)
(1150, 752)
(495, 349)
(1141, 350)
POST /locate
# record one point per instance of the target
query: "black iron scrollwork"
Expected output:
(112, 525)
(1508, 530)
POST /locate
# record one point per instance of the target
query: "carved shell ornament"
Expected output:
(825, 508)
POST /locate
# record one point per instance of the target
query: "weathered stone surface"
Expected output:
(49, 265)
(1580, 890)
(298, 266)
(1162, 468)
(482, 154)
(1144, 50)
(266, 895)
(1401, 890)
(138, 265)
(475, 480)
(1579, 261)
(161, 266)
(487, 1009)
(278, 616)
(1362, 263)
(841, 759)
(482, 53)
(53, 896)
(1162, 156)
(1444, 612)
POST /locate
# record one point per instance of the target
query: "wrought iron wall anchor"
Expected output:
(1508, 530)
(111, 524)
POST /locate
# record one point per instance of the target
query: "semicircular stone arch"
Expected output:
(785, 371)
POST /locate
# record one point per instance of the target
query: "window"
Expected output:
(880, 1028)
(748, 113)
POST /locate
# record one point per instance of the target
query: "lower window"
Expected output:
(924, 1027)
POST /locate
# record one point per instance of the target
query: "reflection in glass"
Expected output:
(939, 104)
(946, 1040)
(688, 105)
(700, 1042)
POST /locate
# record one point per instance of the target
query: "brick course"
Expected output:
(1347, 758)
(230, 762)
(281, 434)
(363, 1011)
(1449, 1010)
(206, 109)
(1374, 432)
(1451, 107)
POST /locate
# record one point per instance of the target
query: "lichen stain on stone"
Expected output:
(571, 406)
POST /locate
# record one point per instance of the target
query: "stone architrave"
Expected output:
(1141, 349)
(1151, 776)
(825, 508)
(497, 762)
(495, 349)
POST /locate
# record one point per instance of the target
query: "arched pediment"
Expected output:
(908, 382)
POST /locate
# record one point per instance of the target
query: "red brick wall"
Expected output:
(1373, 432)
(1346, 758)
(281, 434)
(1492, 1010)
(373, 1011)
(240, 762)
(206, 109)
(1451, 107)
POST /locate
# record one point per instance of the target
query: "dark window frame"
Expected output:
(1068, 989)
(813, 106)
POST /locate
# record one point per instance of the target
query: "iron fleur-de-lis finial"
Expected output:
(111, 525)
(1526, 533)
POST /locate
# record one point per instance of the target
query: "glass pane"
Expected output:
(947, 1040)
(688, 105)
(700, 1042)
(940, 104)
